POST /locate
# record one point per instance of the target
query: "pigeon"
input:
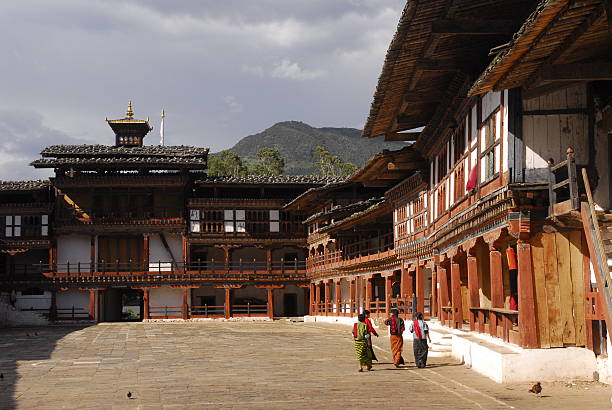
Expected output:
(1, 376)
(35, 333)
(27, 335)
(129, 395)
(536, 388)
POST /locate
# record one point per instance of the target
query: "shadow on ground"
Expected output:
(21, 344)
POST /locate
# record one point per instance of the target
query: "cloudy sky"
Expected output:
(221, 69)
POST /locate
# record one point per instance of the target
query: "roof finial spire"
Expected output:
(129, 112)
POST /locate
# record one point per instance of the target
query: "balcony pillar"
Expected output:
(420, 287)
(472, 266)
(227, 308)
(145, 300)
(269, 258)
(497, 287)
(388, 293)
(457, 315)
(92, 304)
(317, 297)
(526, 303)
(352, 292)
(327, 296)
(443, 300)
(185, 307)
(434, 294)
(368, 292)
(338, 298)
(311, 299)
(145, 252)
(270, 304)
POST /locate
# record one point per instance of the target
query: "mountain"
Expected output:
(296, 141)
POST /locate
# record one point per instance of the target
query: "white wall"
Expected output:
(157, 251)
(72, 297)
(166, 296)
(33, 301)
(73, 249)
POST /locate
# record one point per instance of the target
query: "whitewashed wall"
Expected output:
(278, 300)
(157, 251)
(33, 301)
(72, 297)
(166, 296)
(74, 249)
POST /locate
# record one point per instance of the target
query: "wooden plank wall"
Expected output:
(558, 271)
(549, 136)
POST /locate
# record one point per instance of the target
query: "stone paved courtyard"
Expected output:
(242, 365)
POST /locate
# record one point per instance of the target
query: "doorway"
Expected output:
(122, 305)
(290, 304)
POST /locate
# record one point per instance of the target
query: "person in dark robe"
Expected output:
(420, 336)
(368, 323)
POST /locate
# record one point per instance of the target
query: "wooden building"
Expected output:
(494, 230)
(133, 232)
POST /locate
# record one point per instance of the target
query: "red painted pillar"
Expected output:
(497, 288)
(317, 298)
(456, 295)
(270, 303)
(526, 304)
(434, 294)
(420, 287)
(405, 283)
(311, 298)
(92, 304)
(352, 292)
(368, 292)
(145, 252)
(388, 294)
(338, 298)
(444, 301)
(145, 299)
(327, 297)
(185, 309)
(227, 305)
(472, 266)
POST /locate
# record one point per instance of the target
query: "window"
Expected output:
(234, 220)
(44, 225)
(489, 136)
(459, 142)
(194, 220)
(274, 221)
(12, 225)
(442, 163)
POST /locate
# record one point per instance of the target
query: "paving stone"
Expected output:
(242, 365)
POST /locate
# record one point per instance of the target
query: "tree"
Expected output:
(269, 162)
(332, 165)
(226, 163)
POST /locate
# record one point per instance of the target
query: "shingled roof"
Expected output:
(105, 156)
(270, 180)
(346, 209)
(24, 185)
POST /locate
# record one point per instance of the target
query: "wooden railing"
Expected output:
(165, 312)
(563, 186)
(207, 311)
(597, 251)
(497, 322)
(351, 252)
(249, 310)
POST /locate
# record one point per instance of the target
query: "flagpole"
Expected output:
(161, 128)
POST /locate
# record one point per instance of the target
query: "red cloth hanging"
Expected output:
(473, 179)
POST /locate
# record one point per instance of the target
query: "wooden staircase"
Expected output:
(598, 233)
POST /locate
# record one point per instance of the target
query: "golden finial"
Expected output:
(129, 112)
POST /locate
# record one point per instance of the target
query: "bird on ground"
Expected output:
(27, 335)
(1, 376)
(536, 388)
(35, 333)
(129, 395)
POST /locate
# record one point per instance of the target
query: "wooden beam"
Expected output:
(408, 122)
(473, 27)
(402, 136)
(405, 166)
(422, 97)
(431, 64)
(577, 72)
(534, 92)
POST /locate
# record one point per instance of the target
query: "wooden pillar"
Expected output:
(311, 307)
(352, 294)
(420, 287)
(526, 304)
(145, 252)
(53, 258)
(457, 315)
(368, 292)
(497, 288)
(185, 252)
(472, 266)
(92, 304)
(434, 294)
(317, 297)
(327, 297)
(443, 300)
(338, 298)
(269, 258)
(270, 303)
(405, 281)
(227, 308)
(145, 300)
(53, 307)
(388, 294)
(92, 254)
(227, 257)
(185, 309)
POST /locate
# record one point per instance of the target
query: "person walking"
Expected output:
(420, 336)
(368, 323)
(396, 330)
(361, 334)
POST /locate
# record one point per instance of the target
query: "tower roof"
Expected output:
(129, 132)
